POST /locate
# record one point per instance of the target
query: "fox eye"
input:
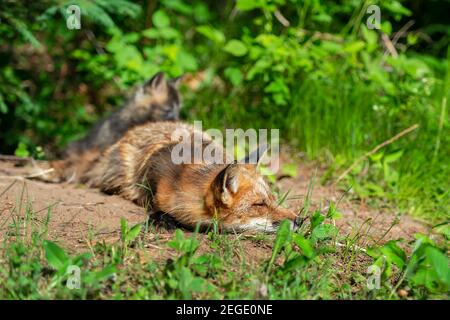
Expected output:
(259, 204)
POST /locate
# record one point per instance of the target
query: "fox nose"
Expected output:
(169, 114)
(297, 222)
(294, 224)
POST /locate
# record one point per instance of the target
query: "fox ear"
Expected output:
(227, 184)
(255, 156)
(157, 83)
(175, 82)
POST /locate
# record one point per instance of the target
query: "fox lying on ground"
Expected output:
(139, 167)
(157, 99)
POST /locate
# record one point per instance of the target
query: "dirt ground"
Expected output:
(82, 216)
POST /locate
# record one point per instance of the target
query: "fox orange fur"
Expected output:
(140, 168)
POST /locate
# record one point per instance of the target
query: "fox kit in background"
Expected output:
(156, 100)
(140, 168)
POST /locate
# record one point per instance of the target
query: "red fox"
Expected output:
(140, 168)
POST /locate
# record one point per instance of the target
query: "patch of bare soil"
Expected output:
(82, 216)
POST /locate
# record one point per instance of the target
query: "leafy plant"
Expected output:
(63, 264)
(183, 273)
(128, 234)
(427, 266)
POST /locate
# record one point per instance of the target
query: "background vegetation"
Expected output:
(313, 69)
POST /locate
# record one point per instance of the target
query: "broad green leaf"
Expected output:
(294, 263)
(105, 273)
(236, 48)
(371, 37)
(131, 37)
(396, 7)
(394, 254)
(316, 219)
(377, 156)
(171, 52)
(304, 245)
(56, 257)
(354, 47)
(333, 213)
(197, 284)
(386, 27)
(245, 5)
(289, 169)
(234, 75)
(182, 244)
(22, 150)
(392, 157)
(185, 283)
(151, 33)
(187, 61)
(177, 241)
(133, 233)
(283, 237)
(439, 263)
(212, 34)
(323, 231)
(179, 5)
(168, 33)
(160, 19)
(322, 17)
(331, 46)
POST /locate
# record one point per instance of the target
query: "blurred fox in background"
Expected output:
(157, 99)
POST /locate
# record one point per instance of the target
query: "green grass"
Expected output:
(315, 262)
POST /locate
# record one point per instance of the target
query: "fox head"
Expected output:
(242, 200)
(158, 99)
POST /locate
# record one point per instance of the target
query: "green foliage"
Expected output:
(129, 234)
(24, 274)
(183, 275)
(56, 257)
(283, 237)
(22, 151)
(427, 266)
(22, 271)
(58, 260)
